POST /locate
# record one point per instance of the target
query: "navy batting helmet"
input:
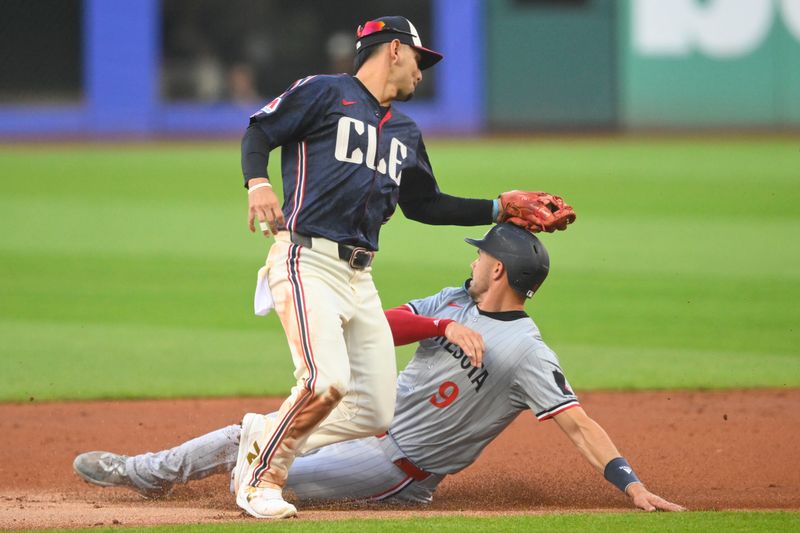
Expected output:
(523, 255)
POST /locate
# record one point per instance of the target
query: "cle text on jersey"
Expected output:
(397, 150)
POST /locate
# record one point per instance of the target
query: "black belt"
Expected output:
(357, 257)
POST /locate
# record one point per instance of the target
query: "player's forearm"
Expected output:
(595, 444)
(443, 209)
(255, 154)
(589, 437)
(421, 200)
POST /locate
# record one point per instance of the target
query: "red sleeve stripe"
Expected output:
(544, 415)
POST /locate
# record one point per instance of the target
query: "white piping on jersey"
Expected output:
(560, 408)
(275, 102)
(300, 185)
(300, 181)
(301, 81)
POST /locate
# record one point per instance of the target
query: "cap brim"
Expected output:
(428, 57)
(474, 242)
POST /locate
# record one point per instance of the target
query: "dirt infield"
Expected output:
(709, 450)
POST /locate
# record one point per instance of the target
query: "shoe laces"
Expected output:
(113, 463)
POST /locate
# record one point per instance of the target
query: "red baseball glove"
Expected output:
(535, 211)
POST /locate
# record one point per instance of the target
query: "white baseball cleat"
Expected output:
(254, 426)
(264, 503)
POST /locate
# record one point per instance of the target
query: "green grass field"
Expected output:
(128, 271)
(730, 522)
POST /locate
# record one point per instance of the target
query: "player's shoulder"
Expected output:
(302, 92)
(447, 297)
(456, 293)
(454, 297)
(531, 344)
(318, 82)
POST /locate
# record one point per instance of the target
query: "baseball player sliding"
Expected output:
(481, 361)
(348, 159)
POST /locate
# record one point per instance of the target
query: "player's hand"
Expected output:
(264, 206)
(646, 500)
(470, 341)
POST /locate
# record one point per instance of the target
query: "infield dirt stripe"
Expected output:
(706, 450)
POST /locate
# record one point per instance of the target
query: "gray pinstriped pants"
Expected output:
(351, 470)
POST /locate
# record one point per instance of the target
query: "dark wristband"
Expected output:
(620, 474)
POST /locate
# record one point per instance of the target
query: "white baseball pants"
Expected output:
(342, 351)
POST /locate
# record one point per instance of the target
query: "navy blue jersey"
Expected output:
(344, 158)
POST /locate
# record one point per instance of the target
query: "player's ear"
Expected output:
(499, 271)
(394, 50)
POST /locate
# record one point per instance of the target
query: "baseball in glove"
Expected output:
(535, 211)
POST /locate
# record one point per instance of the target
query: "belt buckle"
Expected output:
(356, 258)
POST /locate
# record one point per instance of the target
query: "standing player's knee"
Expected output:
(326, 398)
(330, 391)
(384, 419)
(316, 410)
(381, 426)
(382, 413)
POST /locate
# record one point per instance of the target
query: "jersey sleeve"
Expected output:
(540, 383)
(429, 306)
(290, 117)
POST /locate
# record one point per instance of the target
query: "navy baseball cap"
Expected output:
(387, 29)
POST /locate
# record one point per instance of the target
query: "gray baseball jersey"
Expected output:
(447, 410)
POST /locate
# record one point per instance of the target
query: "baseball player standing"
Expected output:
(348, 159)
(450, 405)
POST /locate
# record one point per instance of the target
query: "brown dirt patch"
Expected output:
(705, 450)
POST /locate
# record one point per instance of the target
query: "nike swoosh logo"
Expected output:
(348, 102)
(455, 305)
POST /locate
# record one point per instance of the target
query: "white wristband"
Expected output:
(258, 186)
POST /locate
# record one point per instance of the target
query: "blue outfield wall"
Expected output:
(121, 67)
